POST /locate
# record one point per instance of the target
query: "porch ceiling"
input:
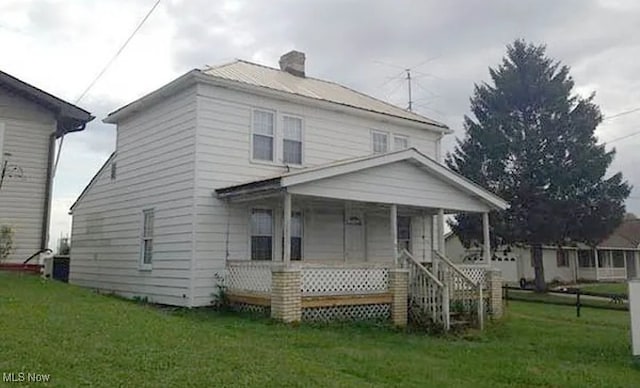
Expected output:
(405, 177)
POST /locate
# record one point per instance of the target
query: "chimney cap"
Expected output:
(293, 63)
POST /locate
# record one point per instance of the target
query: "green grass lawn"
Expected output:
(609, 288)
(568, 299)
(82, 338)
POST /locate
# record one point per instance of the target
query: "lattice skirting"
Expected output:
(251, 308)
(365, 312)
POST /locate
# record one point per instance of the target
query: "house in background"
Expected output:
(30, 122)
(239, 169)
(616, 258)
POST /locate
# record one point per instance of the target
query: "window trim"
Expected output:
(400, 136)
(273, 232)
(302, 139)
(274, 136)
(142, 266)
(379, 132)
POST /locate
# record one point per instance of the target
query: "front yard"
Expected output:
(82, 338)
(606, 288)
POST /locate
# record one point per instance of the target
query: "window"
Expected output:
(404, 233)
(380, 142)
(296, 235)
(618, 259)
(147, 239)
(586, 259)
(263, 131)
(113, 171)
(562, 258)
(292, 140)
(400, 142)
(261, 234)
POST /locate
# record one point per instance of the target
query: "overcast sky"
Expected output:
(61, 45)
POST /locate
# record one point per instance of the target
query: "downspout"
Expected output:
(44, 238)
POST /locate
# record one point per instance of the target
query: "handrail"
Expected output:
(466, 278)
(422, 267)
(456, 269)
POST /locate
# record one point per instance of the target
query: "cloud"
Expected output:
(60, 46)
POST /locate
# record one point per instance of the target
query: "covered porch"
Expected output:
(347, 234)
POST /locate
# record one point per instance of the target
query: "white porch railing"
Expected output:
(464, 293)
(477, 273)
(611, 273)
(322, 278)
(247, 275)
(427, 294)
(343, 279)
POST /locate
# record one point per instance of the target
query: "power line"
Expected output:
(636, 133)
(623, 113)
(120, 50)
(104, 70)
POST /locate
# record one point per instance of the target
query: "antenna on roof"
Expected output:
(410, 106)
(408, 77)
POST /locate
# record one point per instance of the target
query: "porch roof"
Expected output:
(293, 180)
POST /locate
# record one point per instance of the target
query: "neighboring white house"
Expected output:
(618, 258)
(30, 122)
(225, 164)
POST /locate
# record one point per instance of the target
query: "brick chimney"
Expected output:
(293, 63)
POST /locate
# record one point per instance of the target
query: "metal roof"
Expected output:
(276, 79)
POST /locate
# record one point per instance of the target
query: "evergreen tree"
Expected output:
(532, 142)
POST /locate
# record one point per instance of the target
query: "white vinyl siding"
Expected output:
(155, 169)
(291, 140)
(380, 142)
(146, 241)
(25, 148)
(1, 146)
(380, 185)
(263, 139)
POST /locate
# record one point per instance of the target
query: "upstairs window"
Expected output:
(261, 234)
(147, 239)
(292, 140)
(380, 142)
(113, 171)
(400, 142)
(262, 138)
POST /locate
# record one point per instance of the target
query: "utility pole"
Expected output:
(410, 108)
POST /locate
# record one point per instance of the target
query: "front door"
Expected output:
(404, 233)
(354, 236)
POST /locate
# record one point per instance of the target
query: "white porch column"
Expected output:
(486, 243)
(393, 218)
(441, 244)
(595, 254)
(286, 229)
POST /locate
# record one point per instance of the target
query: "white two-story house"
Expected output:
(31, 120)
(243, 163)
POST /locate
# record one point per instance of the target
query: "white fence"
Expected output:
(316, 278)
(343, 279)
(477, 273)
(245, 275)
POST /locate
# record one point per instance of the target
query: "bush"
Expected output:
(6, 242)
